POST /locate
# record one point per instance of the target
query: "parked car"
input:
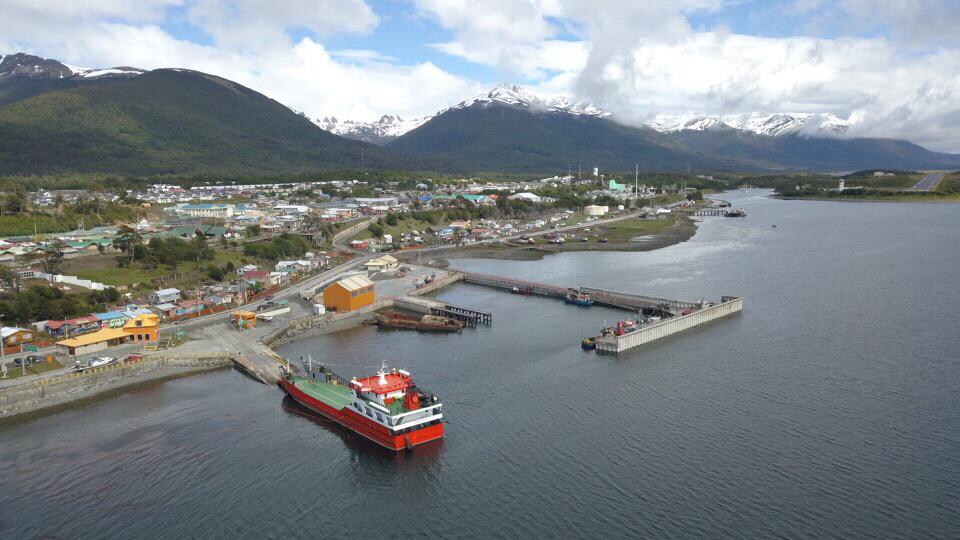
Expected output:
(101, 361)
(32, 359)
(133, 358)
(18, 362)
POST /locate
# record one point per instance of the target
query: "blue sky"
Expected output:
(889, 67)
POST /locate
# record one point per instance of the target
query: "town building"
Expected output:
(349, 294)
(383, 263)
(14, 336)
(205, 210)
(165, 295)
(141, 329)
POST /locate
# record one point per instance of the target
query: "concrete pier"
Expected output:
(652, 332)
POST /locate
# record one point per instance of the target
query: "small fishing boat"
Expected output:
(578, 299)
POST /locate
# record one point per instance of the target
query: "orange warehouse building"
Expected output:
(349, 294)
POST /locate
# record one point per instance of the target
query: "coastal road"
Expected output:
(928, 182)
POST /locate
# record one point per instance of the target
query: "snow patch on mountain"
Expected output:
(517, 96)
(22, 65)
(392, 126)
(771, 125)
(384, 129)
(108, 72)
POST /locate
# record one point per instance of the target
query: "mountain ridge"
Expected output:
(53, 120)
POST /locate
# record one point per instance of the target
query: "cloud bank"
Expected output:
(891, 67)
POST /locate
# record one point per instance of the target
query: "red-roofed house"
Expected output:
(72, 327)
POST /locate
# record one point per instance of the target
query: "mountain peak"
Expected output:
(389, 126)
(28, 66)
(771, 125)
(515, 95)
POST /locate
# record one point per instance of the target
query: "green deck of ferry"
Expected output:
(333, 395)
(338, 396)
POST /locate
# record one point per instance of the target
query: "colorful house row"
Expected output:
(141, 329)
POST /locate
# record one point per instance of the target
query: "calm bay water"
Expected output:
(829, 407)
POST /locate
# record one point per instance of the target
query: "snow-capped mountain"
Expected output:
(771, 125)
(390, 127)
(517, 96)
(386, 128)
(28, 66)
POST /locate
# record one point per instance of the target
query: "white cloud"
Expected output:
(250, 45)
(257, 25)
(639, 59)
(894, 70)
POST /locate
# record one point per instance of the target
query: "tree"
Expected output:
(126, 240)
(215, 272)
(9, 278)
(201, 247)
(51, 257)
(375, 230)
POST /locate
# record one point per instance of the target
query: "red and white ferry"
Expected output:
(386, 408)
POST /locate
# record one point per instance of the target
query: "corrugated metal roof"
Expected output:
(354, 283)
(104, 334)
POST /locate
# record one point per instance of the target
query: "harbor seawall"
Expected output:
(673, 325)
(58, 390)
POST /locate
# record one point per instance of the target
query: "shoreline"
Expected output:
(865, 200)
(95, 392)
(681, 231)
(99, 392)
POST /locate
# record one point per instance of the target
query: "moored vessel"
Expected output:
(427, 323)
(386, 408)
(578, 298)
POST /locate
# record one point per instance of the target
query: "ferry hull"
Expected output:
(363, 426)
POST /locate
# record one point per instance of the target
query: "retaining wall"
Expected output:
(52, 391)
(438, 283)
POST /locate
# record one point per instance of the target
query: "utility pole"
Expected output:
(2, 358)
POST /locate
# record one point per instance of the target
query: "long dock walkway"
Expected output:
(632, 302)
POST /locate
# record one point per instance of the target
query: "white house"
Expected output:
(165, 295)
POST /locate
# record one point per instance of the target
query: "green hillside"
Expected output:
(505, 138)
(169, 121)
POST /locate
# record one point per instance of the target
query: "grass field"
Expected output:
(402, 226)
(627, 229)
(14, 371)
(105, 270)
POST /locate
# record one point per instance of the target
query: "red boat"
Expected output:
(386, 408)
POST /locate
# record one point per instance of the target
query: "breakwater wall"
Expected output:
(53, 391)
(673, 325)
(440, 282)
(319, 324)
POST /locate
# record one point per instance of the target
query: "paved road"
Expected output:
(928, 182)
